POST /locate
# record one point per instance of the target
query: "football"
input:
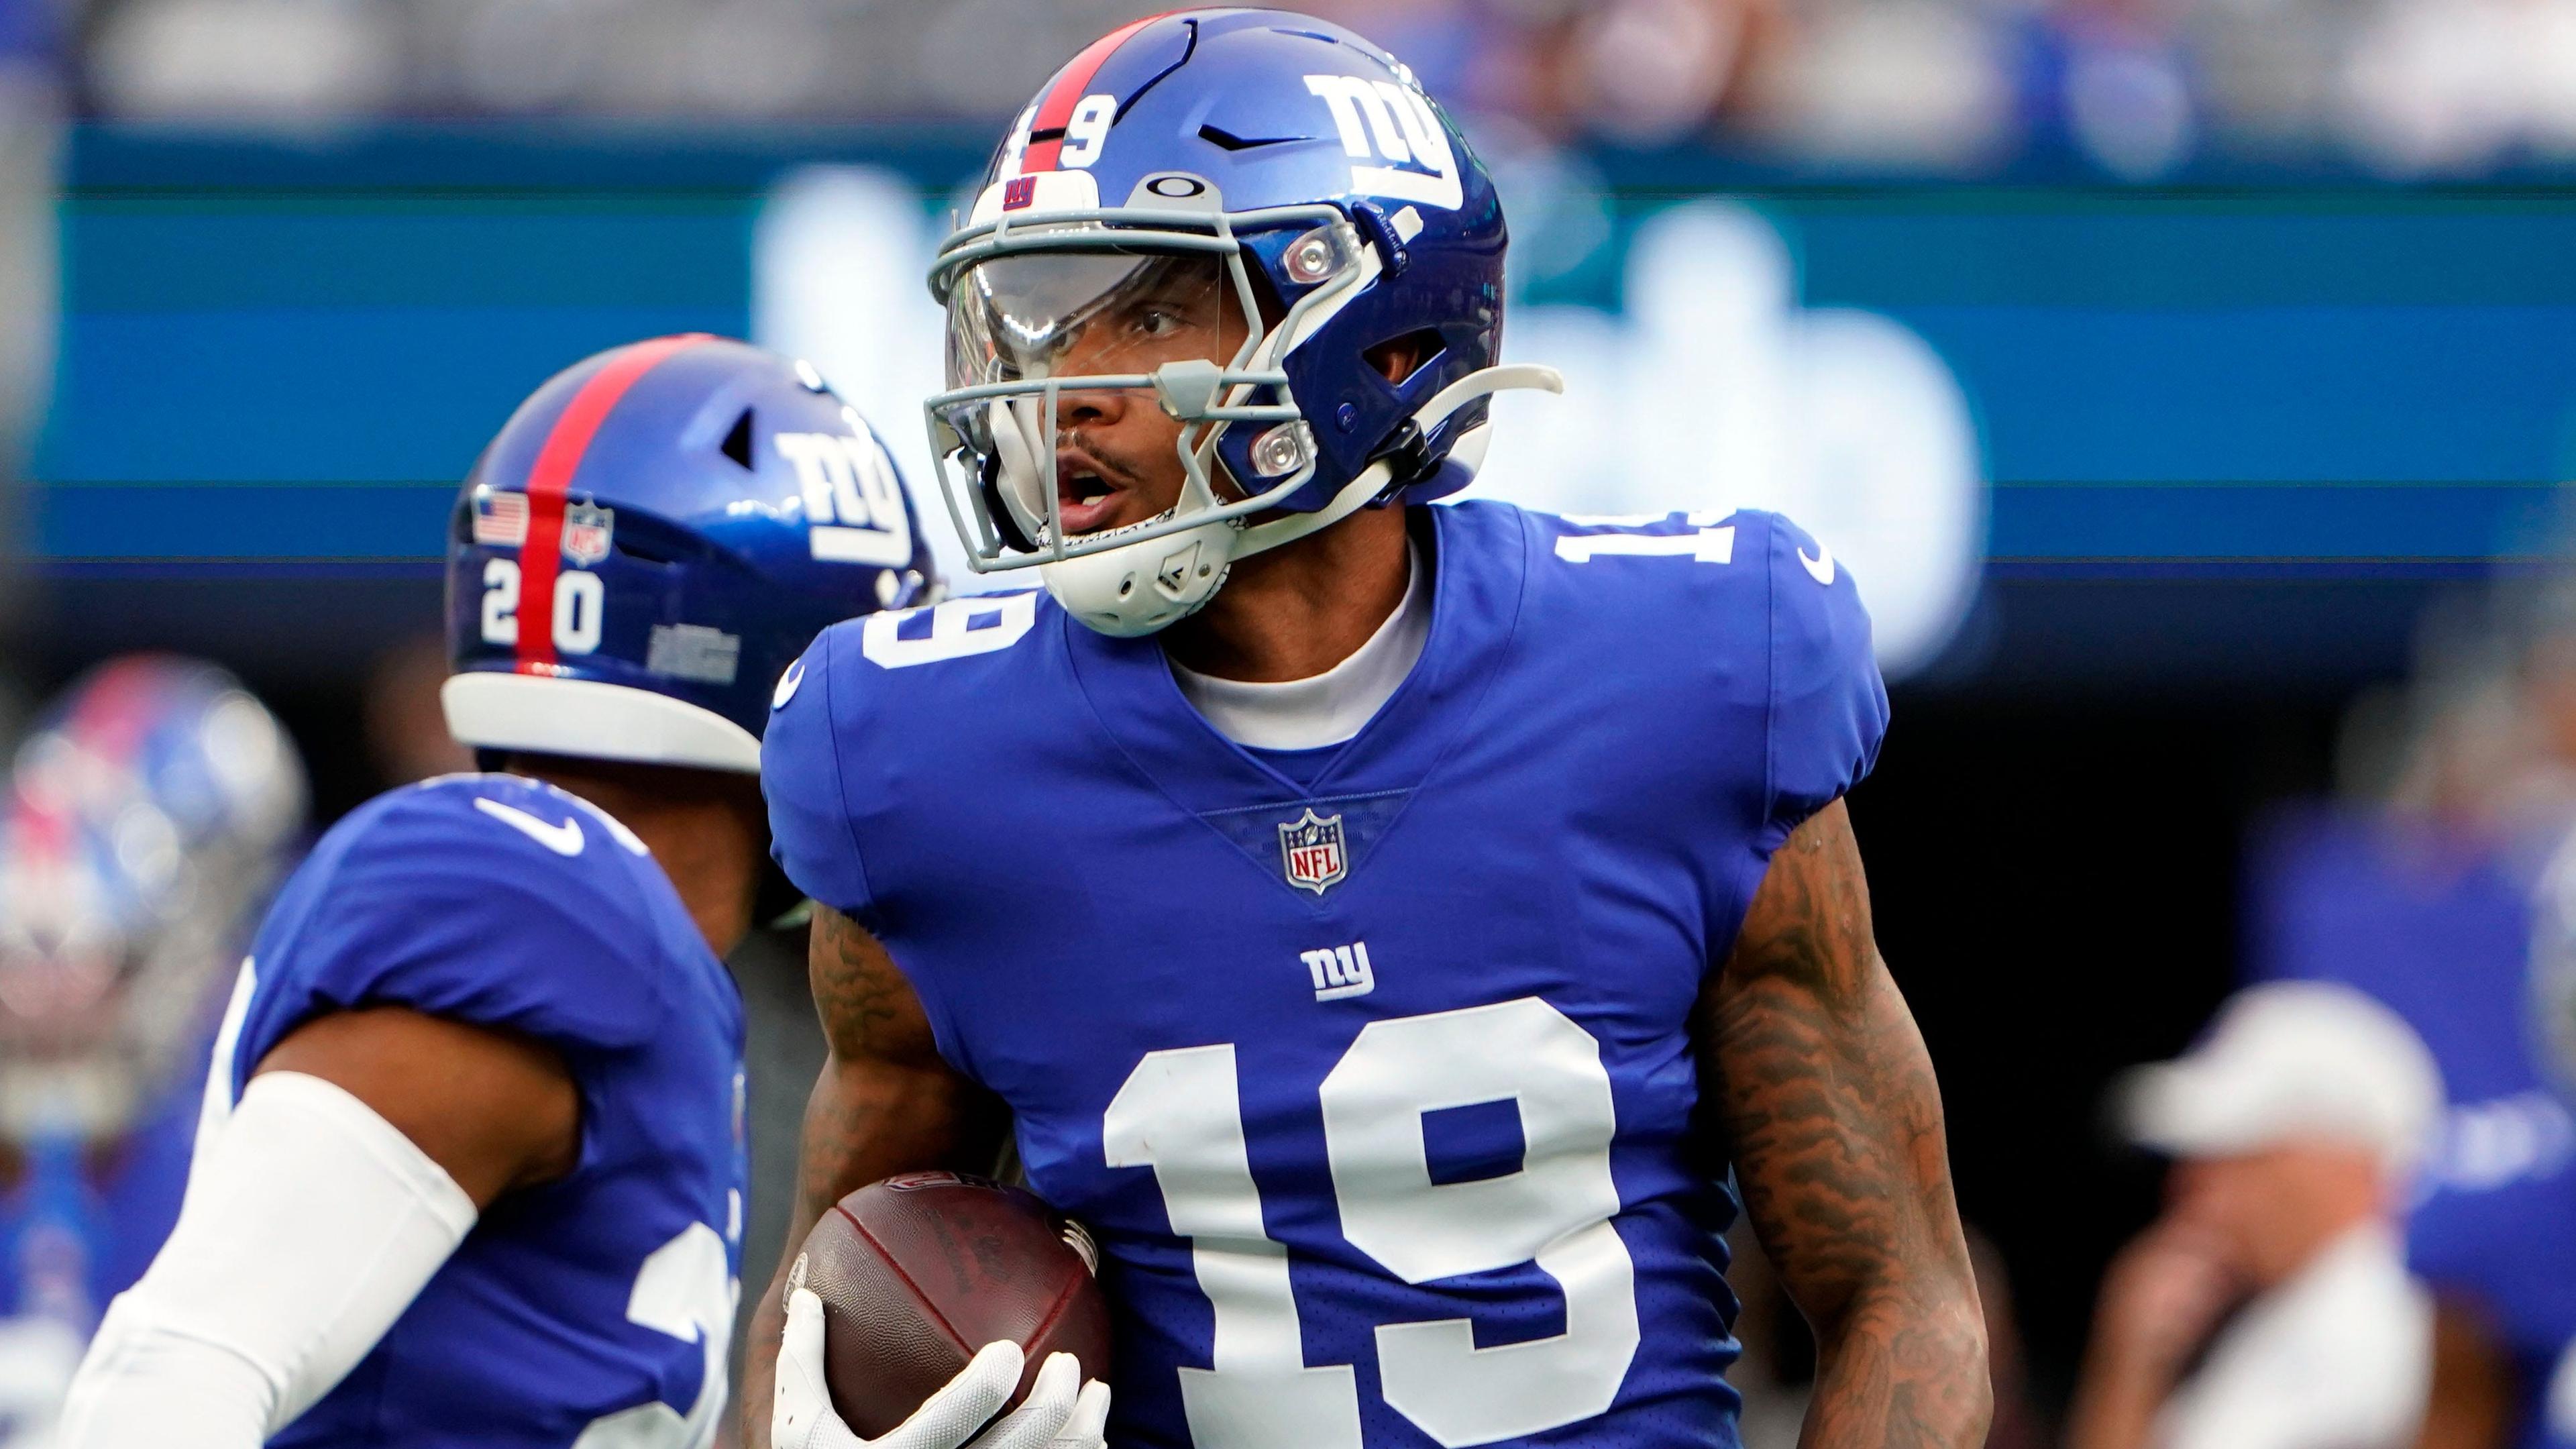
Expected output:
(918, 1272)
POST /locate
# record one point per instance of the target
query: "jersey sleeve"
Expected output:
(1828, 706)
(435, 904)
(810, 832)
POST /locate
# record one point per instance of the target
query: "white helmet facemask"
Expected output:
(1063, 325)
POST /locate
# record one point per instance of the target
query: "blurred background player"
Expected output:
(1341, 962)
(2439, 886)
(503, 989)
(151, 811)
(2270, 1308)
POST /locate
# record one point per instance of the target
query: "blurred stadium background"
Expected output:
(2188, 383)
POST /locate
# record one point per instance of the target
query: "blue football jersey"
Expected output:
(2441, 929)
(1377, 1089)
(598, 1304)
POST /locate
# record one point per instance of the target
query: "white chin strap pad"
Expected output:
(589, 720)
(1145, 586)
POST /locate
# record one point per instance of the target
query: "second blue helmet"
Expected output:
(652, 538)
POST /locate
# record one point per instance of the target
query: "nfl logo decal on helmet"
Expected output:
(1292, 181)
(654, 536)
(587, 529)
(1310, 848)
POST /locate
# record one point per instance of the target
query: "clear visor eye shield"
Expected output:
(1149, 305)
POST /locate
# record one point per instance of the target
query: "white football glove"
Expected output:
(1061, 1411)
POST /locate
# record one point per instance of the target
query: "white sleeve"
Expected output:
(308, 1227)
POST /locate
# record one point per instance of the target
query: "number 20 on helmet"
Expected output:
(650, 541)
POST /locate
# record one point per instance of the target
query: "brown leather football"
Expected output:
(918, 1272)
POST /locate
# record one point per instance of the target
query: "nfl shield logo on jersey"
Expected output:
(1311, 848)
(586, 531)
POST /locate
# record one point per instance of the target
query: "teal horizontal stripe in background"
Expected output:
(262, 522)
(285, 339)
(2323, 375)
(2319, 523)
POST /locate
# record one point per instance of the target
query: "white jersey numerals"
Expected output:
(216, 1107)
(954, 630)
(686, 1290)
(580, 599)
(1708, 545)
(1180, 1113)
(1707, 542)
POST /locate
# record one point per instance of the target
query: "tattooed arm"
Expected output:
(1818, 1077)
(886, 1103)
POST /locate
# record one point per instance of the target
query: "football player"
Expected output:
(1399, 931)
(150, 813)
(2458, 917)
(470, 1168)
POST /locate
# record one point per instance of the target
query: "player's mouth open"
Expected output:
(1087, 492)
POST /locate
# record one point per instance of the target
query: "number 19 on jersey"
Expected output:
(1180, 1113)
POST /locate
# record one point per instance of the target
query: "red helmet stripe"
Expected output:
(1071, 83)
(551, 479)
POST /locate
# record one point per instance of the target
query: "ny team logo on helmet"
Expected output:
(653, 537)
(1298, 177)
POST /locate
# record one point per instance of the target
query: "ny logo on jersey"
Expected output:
(1340, 971)
(1382, 121)
(1310, 848)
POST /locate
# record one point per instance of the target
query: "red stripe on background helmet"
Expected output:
(550, 480)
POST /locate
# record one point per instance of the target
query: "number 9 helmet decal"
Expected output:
(1221, 216)
(654, 536)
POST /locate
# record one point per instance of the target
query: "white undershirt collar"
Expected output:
(1328, 708)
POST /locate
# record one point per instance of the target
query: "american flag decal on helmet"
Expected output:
(501, 518)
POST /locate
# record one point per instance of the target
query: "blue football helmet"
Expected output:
(654, 536)
(151, 809)
(1292, 180)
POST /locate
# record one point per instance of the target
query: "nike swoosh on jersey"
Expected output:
(1821, 567)
(787, 683)
(564, 839)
